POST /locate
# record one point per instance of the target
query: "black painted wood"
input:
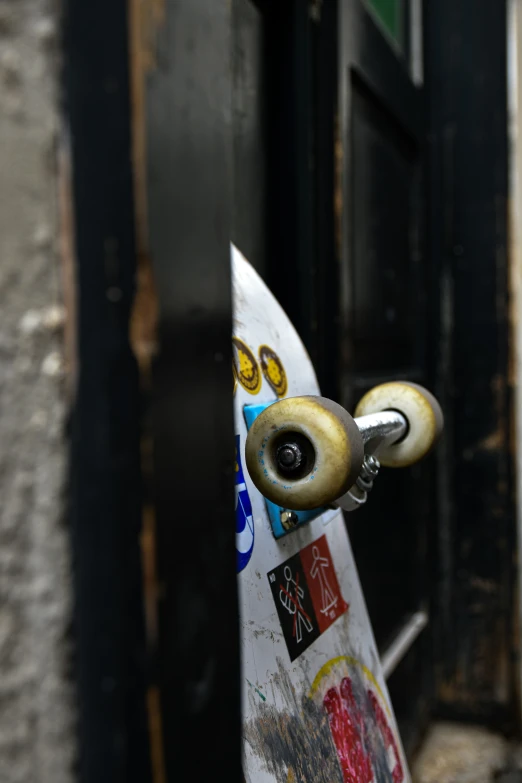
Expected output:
(249, 127)
(105, 491)
(383, 328)
(290, 137)
(466, 56)
(189, 131)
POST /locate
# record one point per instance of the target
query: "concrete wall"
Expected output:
(37, 720)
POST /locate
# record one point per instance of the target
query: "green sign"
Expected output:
(390, 13)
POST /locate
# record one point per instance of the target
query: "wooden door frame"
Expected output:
(105, 492)
(184, 405)
(476, 530)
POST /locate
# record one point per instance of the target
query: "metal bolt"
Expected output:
(289, 456)
(289, 519)
(369, 471)
(370, 467)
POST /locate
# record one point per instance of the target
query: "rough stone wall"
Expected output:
(37, 720)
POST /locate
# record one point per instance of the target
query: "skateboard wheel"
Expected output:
(304, 452)
(422, 412)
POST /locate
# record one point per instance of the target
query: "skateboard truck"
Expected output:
(377, 430)
(303, 453)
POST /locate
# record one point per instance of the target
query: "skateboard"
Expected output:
(315, 706)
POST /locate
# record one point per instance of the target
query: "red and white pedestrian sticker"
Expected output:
(322, 582)
(307, 595)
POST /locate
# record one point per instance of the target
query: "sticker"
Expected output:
(358, 714)
(273, 370)
(244, 518)
(294, 606)
(246, 366)
(322, 581)
(307, 596)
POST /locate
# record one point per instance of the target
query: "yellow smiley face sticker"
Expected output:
(273, 370)
(246, 366)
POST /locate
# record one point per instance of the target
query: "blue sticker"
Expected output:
(244, 518)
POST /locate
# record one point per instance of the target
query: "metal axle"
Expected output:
(377, 430)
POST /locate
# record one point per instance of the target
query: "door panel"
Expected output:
(385, 276)
(477, 534)
(383, 317)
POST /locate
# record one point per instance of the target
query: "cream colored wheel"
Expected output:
(422, 412)
(304, 452)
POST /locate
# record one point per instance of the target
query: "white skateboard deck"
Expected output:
(315, 703)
